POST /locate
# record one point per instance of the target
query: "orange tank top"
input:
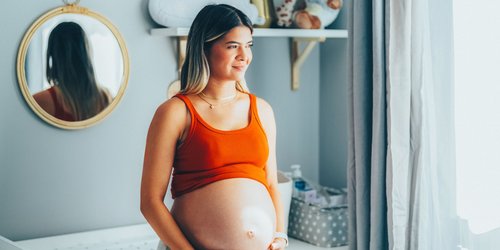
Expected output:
(208, 154)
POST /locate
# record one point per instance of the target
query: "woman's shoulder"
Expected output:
(266, 113)
(172, 107)
(45, 100)
(42, 94)
(263, 106)
(170, 115)
(266, 116)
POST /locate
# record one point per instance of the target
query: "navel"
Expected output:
(250, 234)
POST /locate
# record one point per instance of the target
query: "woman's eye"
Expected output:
(232, 46)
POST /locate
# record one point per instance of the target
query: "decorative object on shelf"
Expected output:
(266, 12)
(284, 10)
(175, 13)
(103, 71)
(317, 14)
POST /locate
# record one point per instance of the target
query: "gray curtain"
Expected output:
(367, 126)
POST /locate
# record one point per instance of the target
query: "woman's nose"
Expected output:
(242, 55)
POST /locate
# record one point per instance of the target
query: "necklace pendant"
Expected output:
(211, 106)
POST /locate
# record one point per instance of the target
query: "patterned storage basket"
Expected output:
(323, 227)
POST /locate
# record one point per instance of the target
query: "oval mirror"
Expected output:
(72, 67)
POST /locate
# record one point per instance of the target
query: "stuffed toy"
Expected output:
(284, 11)
(317, 14)
(175, 13)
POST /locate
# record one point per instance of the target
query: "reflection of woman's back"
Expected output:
(74, 95)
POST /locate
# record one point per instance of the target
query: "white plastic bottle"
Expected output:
(301, 189)
(298, 182)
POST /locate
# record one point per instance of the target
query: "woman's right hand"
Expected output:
(277, 244)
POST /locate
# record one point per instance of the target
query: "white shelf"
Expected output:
(259, 32)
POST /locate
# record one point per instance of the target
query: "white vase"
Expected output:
(174, 13)
(285, 185)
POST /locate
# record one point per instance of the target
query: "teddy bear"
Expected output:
(284, 10)
(316, 14)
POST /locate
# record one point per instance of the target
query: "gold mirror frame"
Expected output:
(21, 73)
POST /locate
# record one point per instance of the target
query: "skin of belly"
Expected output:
(235, 213)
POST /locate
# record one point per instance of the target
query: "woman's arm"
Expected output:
(166, 128)
(266, 116)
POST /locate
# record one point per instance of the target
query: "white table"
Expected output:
(136, 237)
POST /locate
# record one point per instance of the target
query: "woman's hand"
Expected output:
(278, 243)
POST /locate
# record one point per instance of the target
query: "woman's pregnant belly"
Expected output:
(235, 213)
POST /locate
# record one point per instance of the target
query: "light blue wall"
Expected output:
(54, 181)
(333, 107)
(296, 112)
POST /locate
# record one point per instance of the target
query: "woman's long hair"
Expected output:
(211, 24)
(69, 67)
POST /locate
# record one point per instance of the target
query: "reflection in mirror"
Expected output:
(72, 67)
(67, 85)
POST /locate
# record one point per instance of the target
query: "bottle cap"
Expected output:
(296, 170)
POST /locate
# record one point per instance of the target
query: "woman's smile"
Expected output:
(240, 68)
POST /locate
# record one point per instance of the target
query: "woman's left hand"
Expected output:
(278, 243)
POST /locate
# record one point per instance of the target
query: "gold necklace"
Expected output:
(212, 106)
(220, 99)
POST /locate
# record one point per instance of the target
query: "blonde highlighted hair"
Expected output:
(211, 24)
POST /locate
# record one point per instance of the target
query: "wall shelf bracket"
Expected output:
(181, 53)
(298, 58)
(175, 86)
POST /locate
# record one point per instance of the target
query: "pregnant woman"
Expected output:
(219, 140)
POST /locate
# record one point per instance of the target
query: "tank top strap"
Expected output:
(189, 105)
(253, 103)
(186, 100)
(254, 110)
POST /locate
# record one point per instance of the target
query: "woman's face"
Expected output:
(230, 56)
